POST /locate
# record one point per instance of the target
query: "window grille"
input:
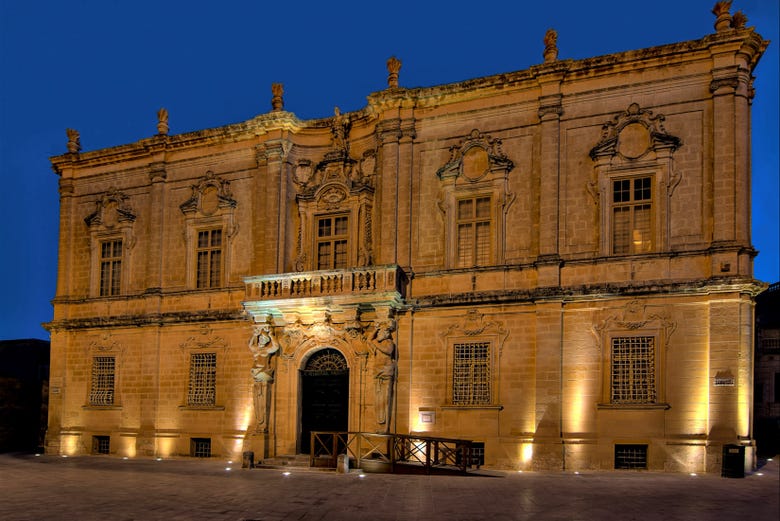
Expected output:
(474, 225)
(631, 456)
(102, 389)
(471, 374)
(209, 255)
(200, 447)
(477, 454)
(332, 236)
(632, 215)
(633, 370)
(110, 267)
(101, 444)
(203, 379)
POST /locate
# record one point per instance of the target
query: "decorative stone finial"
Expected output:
(739, 20)
(162, 122)
(74, 140)
(277, 102)
(393, 66)
(721, 11)
(550, 46)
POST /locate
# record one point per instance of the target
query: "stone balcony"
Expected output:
(370, 284)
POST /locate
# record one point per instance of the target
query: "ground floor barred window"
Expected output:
(471, 374)
(203, 379)
(633, 370)
(101, 391)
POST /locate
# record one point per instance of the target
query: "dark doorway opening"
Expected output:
(324, 395)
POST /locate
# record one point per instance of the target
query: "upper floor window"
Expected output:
(209, 258)
(110, 267)
(474, 232)
(632, 208)
(633, 370)
(332, 242)
(474, 200)
(101, 391)
(209, 232)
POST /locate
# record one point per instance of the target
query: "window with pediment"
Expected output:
(634, 178)
(111, 241)
(335, 212)
(474, 200)
(209, 229)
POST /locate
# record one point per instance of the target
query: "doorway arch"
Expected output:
(324, 402)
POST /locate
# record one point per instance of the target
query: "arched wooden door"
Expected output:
(324, 395)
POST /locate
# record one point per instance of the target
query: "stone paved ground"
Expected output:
(105, 488)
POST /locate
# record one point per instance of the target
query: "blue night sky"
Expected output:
(105, 67)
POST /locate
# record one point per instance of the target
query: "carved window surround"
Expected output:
(211, 206)
(203, 341)
(337, 186)
(113, 219)
(477, 168)
(635, 320)
(474, 328)
(633, 145)
(105, 346)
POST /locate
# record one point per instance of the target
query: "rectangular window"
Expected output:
(209, 255)
(102, 389)
(101, 444)
(110, 267)
(474, 235)
(200, 447)
(631, 456)
(777, 388)
(633, 370)
(632, 215)
(203, 379)
(332, 233)
(471, 374)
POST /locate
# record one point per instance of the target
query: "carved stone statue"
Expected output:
(277, 102)
(550, 45)
(162, 122)
(340, 130)
(74, 140)
(739, 20)
(263, 346)
(393, 66)
(385, 363)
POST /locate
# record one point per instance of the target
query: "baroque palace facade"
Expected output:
(555, 263)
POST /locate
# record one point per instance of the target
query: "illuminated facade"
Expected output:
(554, 262)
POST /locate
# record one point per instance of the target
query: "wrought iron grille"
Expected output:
(633, 370)
(203, 379)
(102, 390)
(471, 373)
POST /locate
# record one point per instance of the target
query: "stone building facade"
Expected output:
(555, 263)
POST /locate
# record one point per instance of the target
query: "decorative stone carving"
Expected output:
(550, 46)
(264, 348)
(476, 324)
(208, 196)
(111, 210)
(393, 66)
(386, 365)
(475, 157)
(74, 140)
(277, 102)
(162, 122)
(632, 134)
(633, 317)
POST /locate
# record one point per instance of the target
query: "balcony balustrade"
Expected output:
(307, 284)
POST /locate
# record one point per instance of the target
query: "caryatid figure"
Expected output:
(263, 346)
(385, 362)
